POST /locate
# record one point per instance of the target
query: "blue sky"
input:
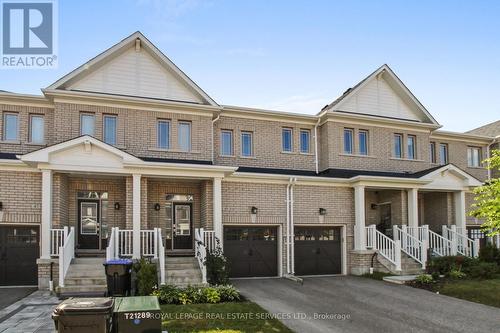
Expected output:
(300, 55)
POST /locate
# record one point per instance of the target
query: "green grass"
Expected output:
(376, 275)
(233, 317)
(479, 291)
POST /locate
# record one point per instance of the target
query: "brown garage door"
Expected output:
(317, 250)
(251, 251)
(19, 249)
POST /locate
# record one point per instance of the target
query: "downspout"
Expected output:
(287, 234)
(316, 158)
(292, 231)
(213, 139)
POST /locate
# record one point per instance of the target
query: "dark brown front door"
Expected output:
(317, 250)
(88, 224)
(182, 226)
(19, 249)
(251, 251)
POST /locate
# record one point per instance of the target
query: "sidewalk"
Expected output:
(31, 314)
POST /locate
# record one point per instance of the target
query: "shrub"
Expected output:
(424, 278)
(146, 278)
(456, 274)
(217, 266)
(489, 253)
(228, 293)
(168, 294)
(435, 276)
(211, 295)
(481, 270)
(443, 265)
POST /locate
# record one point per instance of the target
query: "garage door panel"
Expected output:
(317, 250)
(251, 251)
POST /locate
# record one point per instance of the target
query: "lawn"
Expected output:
(222, 317)
(479, 291)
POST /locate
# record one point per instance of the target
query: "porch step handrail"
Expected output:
(209, 237)
(112, 248)
(412, 246)
(125, 243)
(201, 251)
(388, 248)
(160, 248)
(460, 243)
(57, 237)
(66, 255)
(148, 243)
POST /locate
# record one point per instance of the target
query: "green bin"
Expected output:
(139, 314)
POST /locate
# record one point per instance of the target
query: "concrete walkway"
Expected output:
(354, 304)
(31, 314)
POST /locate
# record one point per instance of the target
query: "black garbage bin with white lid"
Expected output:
(83, 315)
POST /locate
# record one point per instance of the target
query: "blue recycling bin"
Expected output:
(118, 276)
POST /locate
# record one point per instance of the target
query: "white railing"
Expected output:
(125, 243)
(200, 251)
(460, 243)
(66, 254)
(389, 249)
(161, 254)
(112, 248)
(57, 237)
(209, 237)
(412, 246)
(439, 244)
(148, 243)
(418, 232)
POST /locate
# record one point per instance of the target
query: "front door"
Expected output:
(88, 224)
(182, 227)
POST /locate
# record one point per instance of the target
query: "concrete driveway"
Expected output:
(353, 304)
(9, 295)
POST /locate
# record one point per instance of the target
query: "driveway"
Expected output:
(354, 304)
(10, 295)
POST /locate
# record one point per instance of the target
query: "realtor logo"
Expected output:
(29, 34)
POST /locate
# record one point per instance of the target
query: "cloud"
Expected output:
(309, 104)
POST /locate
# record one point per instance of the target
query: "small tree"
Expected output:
(487, 199)
(217, 265)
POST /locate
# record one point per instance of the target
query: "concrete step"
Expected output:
(83, 289)
(84, 281)
(181, 266)
(183, 281)
(89, 261)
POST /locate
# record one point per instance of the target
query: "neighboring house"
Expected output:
(126, 156)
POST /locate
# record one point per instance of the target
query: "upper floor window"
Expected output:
(411, 145)
(443, 153)
(10, 126)
(226, 143)
(473, 156)
(184, 135)
(163, 134)
(363, 142)
(432, 152)
(37, 129)
(246, 144)
(348, 140)
(110, 129)
(87, 124)
(286, 139)
(305, 139)
(398, 145)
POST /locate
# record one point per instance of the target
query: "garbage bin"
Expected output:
(83, 315)
(139, 314)
(118, 278)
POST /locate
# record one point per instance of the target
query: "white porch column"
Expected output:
(413, 210)
(46, 213)
(217, 208)
(359, 217)
(459, 198)
(136, 216)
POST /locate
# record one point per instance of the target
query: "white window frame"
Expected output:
(308, 132)
(401, 148)
(413, 151)
(114, 116)
(432, 152)
(250, 134)
(471, 161)
(283, 130)
(351, 146)
(30, 132)
(231, 142)
(86, 114)
(367, 140)
(4, 126)
(443, 159)
(169, 128)
(189, 139)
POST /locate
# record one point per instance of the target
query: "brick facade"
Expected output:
(21, 197)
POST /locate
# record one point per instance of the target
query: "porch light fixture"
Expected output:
(322, 211)
(117, 205)
(253, 210)
(157, 206)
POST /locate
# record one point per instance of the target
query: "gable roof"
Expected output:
(491, 129)
(119, 49)
(395, 84)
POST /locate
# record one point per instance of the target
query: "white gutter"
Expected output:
(316, 145)
(488, 154)
(213, 140)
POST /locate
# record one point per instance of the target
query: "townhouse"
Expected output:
(127, 157)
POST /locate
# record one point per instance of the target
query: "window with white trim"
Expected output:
(87, 124)
(246, 144)
(305, 141)
(287, 140)
(474, 157)
(432, 152)
(184, 135)
(109, 129)
(398, 145)
(10, 126)
(226, 143)
(348, 144)
(37, 129)
(163, 134)
(363, 142)
(411, 143)
(443, 153)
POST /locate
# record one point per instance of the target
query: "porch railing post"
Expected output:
(155, 243)
(397, 254)
(117, 242)
(395, 235)
(425, 246)
(65, 232)
(475, 248)
(454, 243)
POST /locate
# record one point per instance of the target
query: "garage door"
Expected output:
(317, 250)
(252, 251)
(19, 250)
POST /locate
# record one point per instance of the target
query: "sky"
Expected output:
(298, 56)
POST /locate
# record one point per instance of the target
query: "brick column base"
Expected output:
(361, 261)
(44, 273)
